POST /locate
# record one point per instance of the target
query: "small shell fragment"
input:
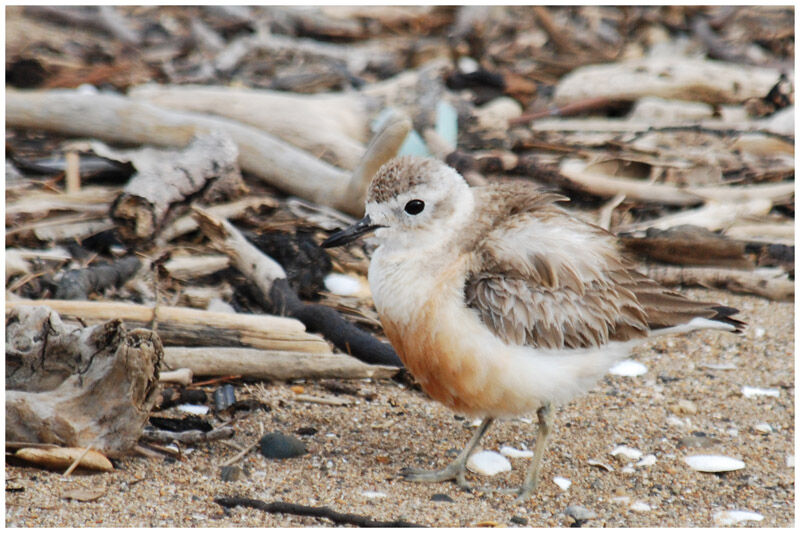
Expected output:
(713, 463)
(647, 460)
(373, 494)
(750, 392)
(508, 451)
(193, 409)
(640, 506)
(562, 482)
(488, 463)
(734, 516)
(342, 284)
(629, 368)
(625, 451)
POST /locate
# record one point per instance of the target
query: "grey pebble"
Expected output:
(276, 445)
(442, 498)
(579, 514)
(520, 520)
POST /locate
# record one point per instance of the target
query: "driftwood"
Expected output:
(77, 284)
(193, 266)
(271, 364)
(166, 179)
(186, 437)
(182, 325)
(769, 283)
(270, 278)
(232, 210)
(182, 376)
(599, 179)
(334, 127)
(682, 78)
(712, 216)
(64, 458)
(37, 204)
(55, 375)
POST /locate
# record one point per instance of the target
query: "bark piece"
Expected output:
(689, 245)
(165, 179)
(78, 387)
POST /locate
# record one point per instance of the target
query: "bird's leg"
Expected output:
(545, 414)
(454, 470)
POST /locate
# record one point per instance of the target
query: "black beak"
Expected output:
(350, 234)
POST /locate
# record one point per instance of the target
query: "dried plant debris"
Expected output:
(174, 169)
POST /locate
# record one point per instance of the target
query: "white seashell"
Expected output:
(640, 506)
(790, 461)
(508, 451)
(628, 470)
(630, 453)
(562, 482)
(763, 428)
(647, 460)
(759, 332)
(342, 284)
(750, 392)
(629, 368)
(373, 494)
(734, 516)
(719, 366)
(488, 463)
(193, 409)
(713, 463)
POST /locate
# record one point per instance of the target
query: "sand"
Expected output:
(358, 449)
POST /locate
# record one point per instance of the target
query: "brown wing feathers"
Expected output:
(532, 297)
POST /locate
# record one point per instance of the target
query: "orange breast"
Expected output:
(445, 371)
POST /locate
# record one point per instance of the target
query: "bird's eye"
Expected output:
(414, 207)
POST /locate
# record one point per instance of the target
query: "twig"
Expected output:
(241, 454)
(324, 401)
(317, 512)
(78, 459)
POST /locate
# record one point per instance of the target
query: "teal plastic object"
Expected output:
(447, 122)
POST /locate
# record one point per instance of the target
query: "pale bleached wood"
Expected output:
(164, 314)
(193, 266)
(770, 283)
(231, 210)
(276, 365)
(597, 182)
(682, 78)
(92, 200)
(182, 376)
(712, 216)
(117, 118)
(320, 124)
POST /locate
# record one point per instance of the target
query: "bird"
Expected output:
(501, 303)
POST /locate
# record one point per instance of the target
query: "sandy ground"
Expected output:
(358, 450)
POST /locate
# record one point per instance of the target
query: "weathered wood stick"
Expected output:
(769, 283)
(231, 210)
(271, 364)
(320, 124)
(602, 184)
(182, 376)
(166, 314)
(120, 119)
(194, 266)
(270, 279)
(192, 436)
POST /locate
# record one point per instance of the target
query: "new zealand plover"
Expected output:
(501, 303)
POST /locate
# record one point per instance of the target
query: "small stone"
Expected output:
(297, 389)
(579, 514)
(231, 473)
(713, 463)
(488, 463)
(342, 284)
(759, 332)
(763, 428)
(279, 446)
(698, 441)
(751, 392)
(371, 494)
(508, 451)
(640, 506)
(519, 520)
(442, 498)
(629, 453)
(734, 516)
(628, 368)
(562, 482)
